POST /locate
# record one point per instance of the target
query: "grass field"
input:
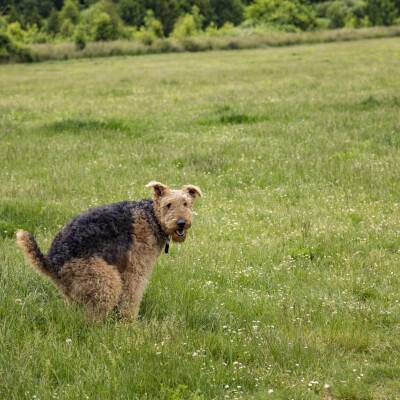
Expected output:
(288, 286)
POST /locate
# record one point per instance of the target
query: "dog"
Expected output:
(104, 257)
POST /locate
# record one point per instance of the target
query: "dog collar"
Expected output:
(166, 250)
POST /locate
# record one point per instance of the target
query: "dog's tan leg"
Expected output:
(140, 263)
(133, 289)
(94, 283)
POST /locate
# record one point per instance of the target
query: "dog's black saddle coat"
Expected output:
(106, 232)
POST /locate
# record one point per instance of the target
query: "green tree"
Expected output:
(351, 13)
(70, 12)
(153, 25)
(284, 13)
(53, 22)
(206, 11)
(105, 28)
(381, 12)
(132, 12)
(27, 11)
(227, 11)
(167, 11)
(337, 13)
(13, 15)
(188, 24)
(100, 22)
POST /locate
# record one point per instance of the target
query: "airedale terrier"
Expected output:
(104, 257)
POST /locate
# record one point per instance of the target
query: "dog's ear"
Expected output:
(159, 188)
(192, 191)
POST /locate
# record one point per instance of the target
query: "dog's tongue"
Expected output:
(180, 232)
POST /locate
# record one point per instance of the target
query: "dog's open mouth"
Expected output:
(180, 232)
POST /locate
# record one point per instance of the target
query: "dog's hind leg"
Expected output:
(93, 283)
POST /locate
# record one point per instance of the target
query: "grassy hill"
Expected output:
(288, 286)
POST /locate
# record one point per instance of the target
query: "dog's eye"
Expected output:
(169, 205)
(185, 204)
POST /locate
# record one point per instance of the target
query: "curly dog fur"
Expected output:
(104, 257)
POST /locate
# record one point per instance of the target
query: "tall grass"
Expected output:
(63, 51)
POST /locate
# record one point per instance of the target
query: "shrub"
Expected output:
(11, 51)
(128, 32)
(188, 25)
(100, 22)
(359, 13)
(80, 39)
(337, 14)
(15, 31)
(67, 28)
(283, 13)
(185, 26)
(225, 30)
(153, 25)
(350, 13)
(151, 30)
(104, 28)
(323, 23)
(32, 34)
(145, 36)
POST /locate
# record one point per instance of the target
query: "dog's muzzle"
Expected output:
(180, 232)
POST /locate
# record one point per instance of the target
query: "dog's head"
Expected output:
(173, 208)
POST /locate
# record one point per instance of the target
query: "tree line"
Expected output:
(31, 21)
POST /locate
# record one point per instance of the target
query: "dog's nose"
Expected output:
(181, 223)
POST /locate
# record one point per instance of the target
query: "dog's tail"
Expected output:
(28, 245)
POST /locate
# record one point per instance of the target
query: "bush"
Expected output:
(100, 22)
(67, 29)
(153, 25)
(11, 51)
(151, 31)
(350, 13)
(337, 14)
(185, 26)
(32, 34)
(287, 14)
(80, 39)
(105, 28)
(225, 30)
(15, 31)
(358, 13)
(188, 25)
(144, 36)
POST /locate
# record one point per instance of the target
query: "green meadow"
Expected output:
(288, 286)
